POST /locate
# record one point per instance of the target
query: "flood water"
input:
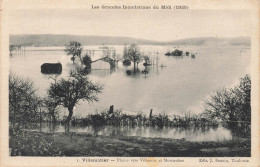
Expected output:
(178, 87)
(191, 134)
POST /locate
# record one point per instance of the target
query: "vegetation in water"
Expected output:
(133, 54)
(176, 52)
(87, 61)
(226, 107)
(119, 119)
(74, 49)
(126, 62)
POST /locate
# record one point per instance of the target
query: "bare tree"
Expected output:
(231, 106)
(115, 56)
(74, 49)
(23, 101)
(50, 103)
(68, 92)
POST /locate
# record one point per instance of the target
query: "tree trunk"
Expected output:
(80, 58)
(14, 118)
(40, 120)
(53, 122)
(15, 110)
(67, 129)
(232, 124)
(53, 117)
(73, 59)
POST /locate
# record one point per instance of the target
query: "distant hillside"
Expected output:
(236, 41)
(62, 40)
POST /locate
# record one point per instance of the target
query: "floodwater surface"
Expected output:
(177, 87)
(189, 134)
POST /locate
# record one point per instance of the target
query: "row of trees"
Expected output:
(75, 49)
(120, 119)
(230, 107)
(131, 53)
(227, 107)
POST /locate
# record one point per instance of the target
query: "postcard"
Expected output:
(129, 83)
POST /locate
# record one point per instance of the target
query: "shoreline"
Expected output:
(81, 144)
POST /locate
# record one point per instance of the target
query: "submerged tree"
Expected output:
(147, 59)
(11, 49)
(133, 53)
(74, 49)
(115, 56)
(68, 92)
(98, 122)
(232, 106)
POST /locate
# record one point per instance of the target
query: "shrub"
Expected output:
(126, 62)
(24, 143)
(87, 61)
(232, 107)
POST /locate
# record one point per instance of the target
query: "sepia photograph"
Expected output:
(130, 80)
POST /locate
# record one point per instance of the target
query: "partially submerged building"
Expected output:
(104, 63)
(51, 68)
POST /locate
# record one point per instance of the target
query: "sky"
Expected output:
(149, 24)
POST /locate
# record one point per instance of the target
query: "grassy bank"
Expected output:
(58, 144)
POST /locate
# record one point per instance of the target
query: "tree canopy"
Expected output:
(133, 53)
(68, 92)
(74, 49)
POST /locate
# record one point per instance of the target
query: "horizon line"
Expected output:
(151, 40)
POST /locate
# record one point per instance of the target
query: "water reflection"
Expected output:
(133, 72)
(189, 134)
(102, 73)
(137, 72)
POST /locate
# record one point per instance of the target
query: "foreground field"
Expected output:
(58, 144)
